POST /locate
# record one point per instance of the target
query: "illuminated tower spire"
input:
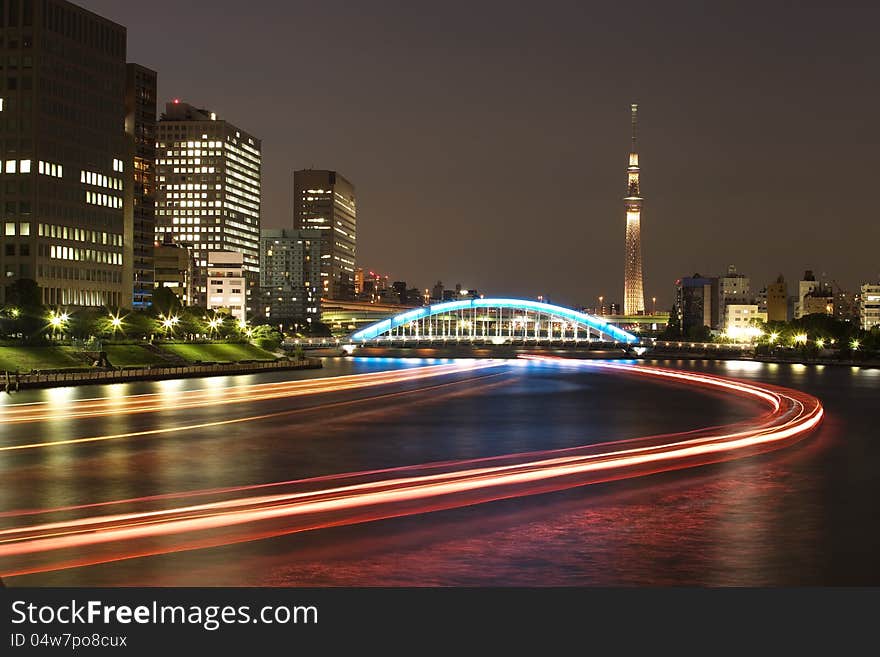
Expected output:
(633, 293)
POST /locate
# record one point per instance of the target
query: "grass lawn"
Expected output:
(131, 355)
(40, 358)
(218, 352)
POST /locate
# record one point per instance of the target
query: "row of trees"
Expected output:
(809, 333)
(25, 319)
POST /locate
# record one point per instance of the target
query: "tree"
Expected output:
(266, 337)
(25, 313)
(165, 302)
(24, 293)
(699, 334)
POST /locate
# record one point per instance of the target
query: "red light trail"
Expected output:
(248, 513)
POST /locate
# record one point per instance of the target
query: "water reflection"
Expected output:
(802, 516)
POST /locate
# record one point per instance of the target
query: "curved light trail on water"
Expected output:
(186, 399)
(248, 513)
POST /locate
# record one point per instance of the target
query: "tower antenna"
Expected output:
(634, 108)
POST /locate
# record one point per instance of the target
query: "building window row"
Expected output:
(100, 180)
(15, 166)
(50, 169)
(84, 255)
(105, 200)
(24, 229)
(78, 234)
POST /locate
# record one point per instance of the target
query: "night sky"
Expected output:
(488, 141)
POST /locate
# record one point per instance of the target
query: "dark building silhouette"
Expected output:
(325, 200)
(66, 157)
(140, 125)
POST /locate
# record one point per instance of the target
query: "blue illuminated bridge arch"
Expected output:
(493, 319)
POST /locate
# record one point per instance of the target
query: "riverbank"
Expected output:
(722, 352)
(95, 376)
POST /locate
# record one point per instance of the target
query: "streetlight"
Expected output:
(168, 324)
(115, 322)
(854, 345)
(773, 337)
(15, 312)
(58, 320)
(800, 338)
(654, 302)
(601, 307)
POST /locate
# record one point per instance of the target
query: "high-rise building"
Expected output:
(226, 284)
(697, 303)
(325, 201)
(64, 154)
(290, 275)
(869, 306)
(805, 286)
(740, 319)
(140, 125)
(736, 288)
(633, 290)
(172, 268)
(208, 191)
(818, 302)
(777, 301)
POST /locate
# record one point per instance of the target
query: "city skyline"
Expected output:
(730, 151)
(368, 305)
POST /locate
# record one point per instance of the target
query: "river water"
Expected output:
(800, 516)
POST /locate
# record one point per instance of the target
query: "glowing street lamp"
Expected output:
(800, 338)
(58, 320)
(854, 345)
(820, 342)
(169, 323)
(773, 337)
(115, 322)
(15, 312)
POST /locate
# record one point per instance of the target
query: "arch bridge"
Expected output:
(494, 321)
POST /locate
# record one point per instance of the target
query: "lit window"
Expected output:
(10, 228)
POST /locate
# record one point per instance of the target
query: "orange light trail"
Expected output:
(152, 402)
(360, 497)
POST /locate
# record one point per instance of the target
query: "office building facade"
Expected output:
(777, 300)
(140, 125)
(172, 268)
(697, 302)
(869, 306)
(290, 276)
(64, 155)
(208, 191)
(324, 200)
(226, 284)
